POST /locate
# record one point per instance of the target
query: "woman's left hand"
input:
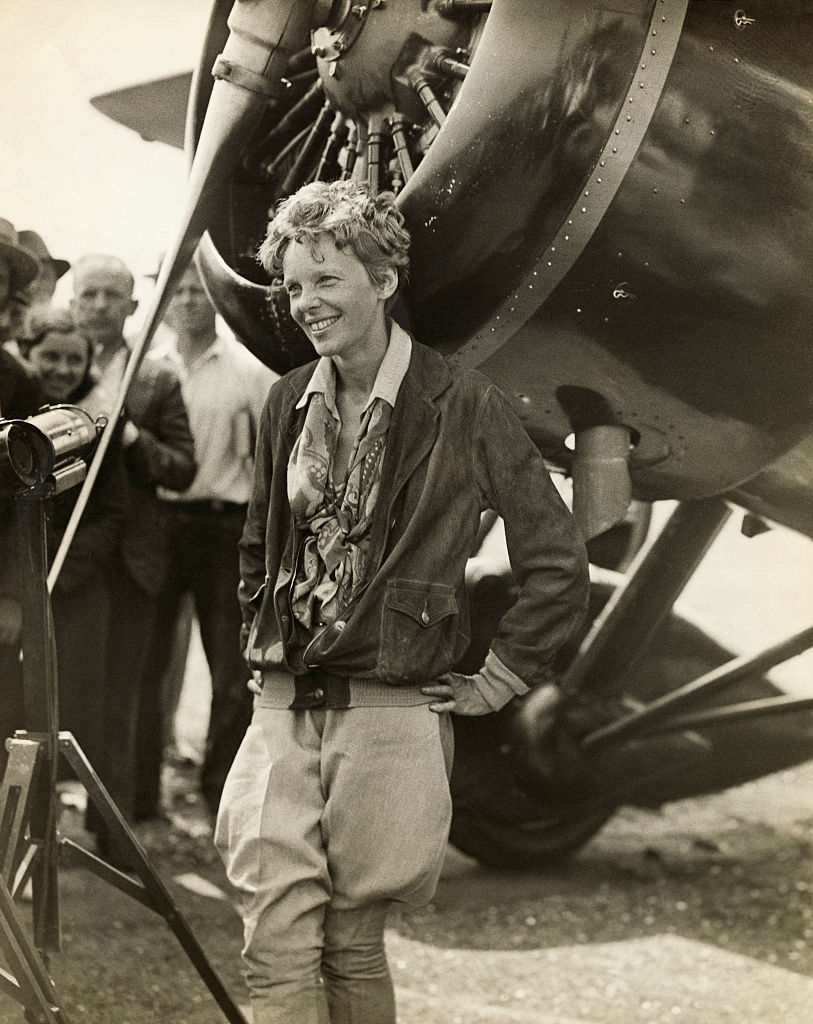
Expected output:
(457, 693)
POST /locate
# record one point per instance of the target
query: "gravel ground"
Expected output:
(699, 913)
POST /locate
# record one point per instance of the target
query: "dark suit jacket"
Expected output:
(20, 397)
(164, 454)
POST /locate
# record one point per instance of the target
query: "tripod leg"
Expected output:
(152, 892)
(29, 983)
(15, 797)
(28, 824)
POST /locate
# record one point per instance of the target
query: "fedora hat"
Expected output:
(23, 263)
(36, 246)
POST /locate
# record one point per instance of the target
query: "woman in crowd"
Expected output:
(373, 468)
(81, 597)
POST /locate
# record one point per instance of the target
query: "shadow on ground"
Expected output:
(701, 912)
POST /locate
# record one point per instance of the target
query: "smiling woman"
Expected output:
(61, 355)
(326, 288)
(374, 465)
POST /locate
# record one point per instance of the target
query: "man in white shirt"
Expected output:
(224, 389)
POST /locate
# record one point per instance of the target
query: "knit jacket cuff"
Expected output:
(496, 683)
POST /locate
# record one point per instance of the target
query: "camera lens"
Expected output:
(21, 456)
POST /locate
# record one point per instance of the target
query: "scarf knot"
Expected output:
(335, 520)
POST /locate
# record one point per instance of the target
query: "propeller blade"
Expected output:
(262, 39)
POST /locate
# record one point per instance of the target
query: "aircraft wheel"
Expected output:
(519, 806)
(498, 823)
(495, 819)
(533, 845)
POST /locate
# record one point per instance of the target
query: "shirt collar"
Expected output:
(168, 349)
(388, 380)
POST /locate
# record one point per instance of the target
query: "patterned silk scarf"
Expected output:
(331, 562)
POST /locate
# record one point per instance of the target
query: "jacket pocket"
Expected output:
(419, 624)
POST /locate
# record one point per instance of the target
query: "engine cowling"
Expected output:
(610, 210)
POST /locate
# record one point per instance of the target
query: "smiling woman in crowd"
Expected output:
(81, 598)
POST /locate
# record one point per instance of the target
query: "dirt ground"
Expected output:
(699, 913)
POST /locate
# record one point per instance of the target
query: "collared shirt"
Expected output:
(224, 390)
(388, 380)
(330, 564)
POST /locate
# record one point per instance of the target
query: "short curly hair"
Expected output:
(371, 226)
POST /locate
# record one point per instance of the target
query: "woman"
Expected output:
(81, 596)
(373, 467)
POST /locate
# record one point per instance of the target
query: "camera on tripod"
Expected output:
(47, 451)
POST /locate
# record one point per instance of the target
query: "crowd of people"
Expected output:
(163, 519)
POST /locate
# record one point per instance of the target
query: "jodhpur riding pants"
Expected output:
(327, 817)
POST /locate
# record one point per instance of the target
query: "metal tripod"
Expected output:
(30, 844)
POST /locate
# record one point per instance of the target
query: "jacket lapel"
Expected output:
(414, 430)
(412, 434)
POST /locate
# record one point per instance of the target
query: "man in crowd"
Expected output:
(159, 451)
(20, 396)
(224, 388)
(42, 288)
(18, 268)
(36, 295)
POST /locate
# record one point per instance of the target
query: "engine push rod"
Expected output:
(309, 154)
(427, 96)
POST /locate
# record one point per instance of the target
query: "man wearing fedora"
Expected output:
(20, 396)
(18, 268)
(42, 288)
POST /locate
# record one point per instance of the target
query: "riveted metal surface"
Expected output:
(631, 125)
(688, 307)
(546, 85)
(664, 269)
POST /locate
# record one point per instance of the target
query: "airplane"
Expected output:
(610, 207)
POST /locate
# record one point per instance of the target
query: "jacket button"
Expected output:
(339, 625)
(319, 694)
(425, 617)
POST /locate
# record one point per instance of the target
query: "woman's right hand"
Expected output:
(255, 684)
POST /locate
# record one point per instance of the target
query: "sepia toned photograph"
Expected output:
(406, 512)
